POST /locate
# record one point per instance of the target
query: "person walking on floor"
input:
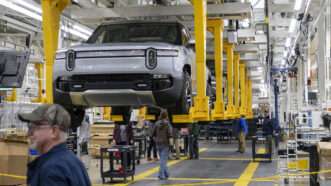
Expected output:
(151, 142)
(123, 135)
(242, 131)
(268, 132)
(162, 134)
(47, 131)
(267, 126)
(175, 137)
(193, 141)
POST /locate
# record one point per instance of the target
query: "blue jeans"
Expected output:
(163, 153)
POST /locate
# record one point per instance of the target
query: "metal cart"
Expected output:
(264, 156)
(121, 162)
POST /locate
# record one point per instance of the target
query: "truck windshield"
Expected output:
(136, 32)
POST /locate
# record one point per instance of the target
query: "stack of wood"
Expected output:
(324, 152)
(101, 136)
(14, 135)
(13, 155)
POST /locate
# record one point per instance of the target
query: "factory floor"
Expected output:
(219, 164)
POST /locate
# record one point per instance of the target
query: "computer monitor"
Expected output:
(12, 67)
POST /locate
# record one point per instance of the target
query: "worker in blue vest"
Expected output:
(242, 131)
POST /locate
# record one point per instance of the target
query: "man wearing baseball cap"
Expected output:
(47, 131)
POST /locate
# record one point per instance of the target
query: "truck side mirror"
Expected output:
(191, 44)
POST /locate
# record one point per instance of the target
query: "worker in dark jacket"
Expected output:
(268, 131)
(151, 142)
(56, 165)
(162, 133)
(267, 126)
(123, 134)
(242, 131)
(193, 141)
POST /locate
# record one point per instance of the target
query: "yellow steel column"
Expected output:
(246, 92)
(12, 97)
(143, 114)
(229, 53)
(201, 101)
(40, 75)
(51, 20)
(106, 113)
(216, 26)
(249, 99)
(236, 84)
(242, 88)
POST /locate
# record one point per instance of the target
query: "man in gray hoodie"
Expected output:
(162, 134)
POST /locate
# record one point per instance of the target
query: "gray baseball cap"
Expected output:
(53, 114)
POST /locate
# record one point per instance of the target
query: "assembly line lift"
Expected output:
(239, 86)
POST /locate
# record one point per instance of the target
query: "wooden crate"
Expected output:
(100, 140)
(94, 151)
(14, 135)
(99, 130)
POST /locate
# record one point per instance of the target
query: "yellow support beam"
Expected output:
(116, 118)
(216, 27)
(106, 113)
(144, 115)
(40, 75)
(230, 110)
(52, 10)
(236, 84)
(13, 96)
(246, 93)
(184, 118)
(201, 101)
(249, 99)
(243, 102)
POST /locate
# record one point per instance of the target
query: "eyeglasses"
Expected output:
(37, 125)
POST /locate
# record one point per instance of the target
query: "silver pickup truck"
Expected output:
(128, 64)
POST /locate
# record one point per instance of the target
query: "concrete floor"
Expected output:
(219, 164)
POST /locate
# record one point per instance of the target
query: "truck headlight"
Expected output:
(70, 60)
(151, 58)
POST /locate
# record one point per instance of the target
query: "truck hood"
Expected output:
(120, 46)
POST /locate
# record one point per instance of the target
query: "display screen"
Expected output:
(12, 67)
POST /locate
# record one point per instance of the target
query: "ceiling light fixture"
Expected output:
(28, 5)
(288, 42)
(83, 29)
(293, 25)
(20, 9)
(27, 9)
(298, 4)
(75, 32)
(285, 54)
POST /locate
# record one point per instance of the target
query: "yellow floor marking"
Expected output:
(196, 179)
(248, 173)
(262, 151)
(200, 183)
(234, 159)
(149, 172)
(262, 179)
(216, 181)
(13, 176)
